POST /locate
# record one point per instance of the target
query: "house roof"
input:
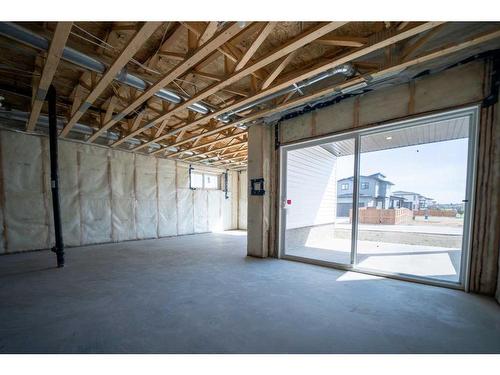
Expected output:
(376, 176)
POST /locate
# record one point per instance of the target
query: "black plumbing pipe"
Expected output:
(54, 176)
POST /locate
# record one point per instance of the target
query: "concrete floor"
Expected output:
(440, 263)
(201, 294)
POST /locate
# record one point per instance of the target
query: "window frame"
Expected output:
(203, 175)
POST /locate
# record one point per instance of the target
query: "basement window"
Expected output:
(201, 180)
(210, 181)
(196, 180)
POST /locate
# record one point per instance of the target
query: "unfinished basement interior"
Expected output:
(250, 187)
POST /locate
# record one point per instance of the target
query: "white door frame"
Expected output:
(472, 112)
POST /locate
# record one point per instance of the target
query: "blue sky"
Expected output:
(437, 170)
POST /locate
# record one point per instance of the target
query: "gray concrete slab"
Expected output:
(201, 294)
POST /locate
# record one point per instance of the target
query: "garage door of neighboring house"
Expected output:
(343, 209)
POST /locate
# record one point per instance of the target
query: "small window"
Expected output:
(211, 181)
(365, 185)
(344, 186)
(196, 180)
(201, 180)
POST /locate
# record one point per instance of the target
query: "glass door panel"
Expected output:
(317, 201)
(412, 189)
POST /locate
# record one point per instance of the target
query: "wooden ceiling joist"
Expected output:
(123, 58)
(304, 75)
(229, 160)
(261, 37)
(222, 37)
(342, 41)
(407, 52)
(54, 55)
(209, 32)
(276, 72)
(474, 41)
(193, 148)
(294, 44)
(226, 156)
(218, 149)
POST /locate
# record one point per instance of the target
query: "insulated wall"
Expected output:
(106, 196)
(242, 199)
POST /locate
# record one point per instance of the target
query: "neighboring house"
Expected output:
(374, 191)
(415, 201)
(411, 199)
(427, 202)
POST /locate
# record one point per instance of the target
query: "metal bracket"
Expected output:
(190, 170)
(226, 195)
(257, 186)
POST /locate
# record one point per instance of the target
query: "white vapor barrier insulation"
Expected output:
(105, 195)
(167, 195)
(95, 195)
(182, 176)
(123, 195)
(243, 196)
(200, 211)
(215, 218)
(69, 195)
(185, 214)
(23, 183)
(146, 196)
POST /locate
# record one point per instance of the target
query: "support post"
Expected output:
(54, 176)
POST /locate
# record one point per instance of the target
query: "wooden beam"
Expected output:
(479, 39)
(342, 41)
(49, 70)
(161, 128)
(217, 149)
(294, 44)
(208, 32)
(243, 150)
(112, 102)
(123, 58)
(213, 77)
(222, 37)
(328, 91)
(229, 160)
(393, 38)
(261, 37)
(407, 52)
(137, 121)
(172, 55)
(276, 72)
(207, 143)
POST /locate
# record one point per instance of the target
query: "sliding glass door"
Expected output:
(318, 201)
(393, 200)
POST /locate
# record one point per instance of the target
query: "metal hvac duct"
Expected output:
(344, 69)
(43, 122)
(25, 36)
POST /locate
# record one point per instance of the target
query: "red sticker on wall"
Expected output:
(288, 201)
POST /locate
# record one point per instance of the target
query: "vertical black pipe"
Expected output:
(54, 176)
(226, 190)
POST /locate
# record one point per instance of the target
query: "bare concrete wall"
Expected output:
(456, 87)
